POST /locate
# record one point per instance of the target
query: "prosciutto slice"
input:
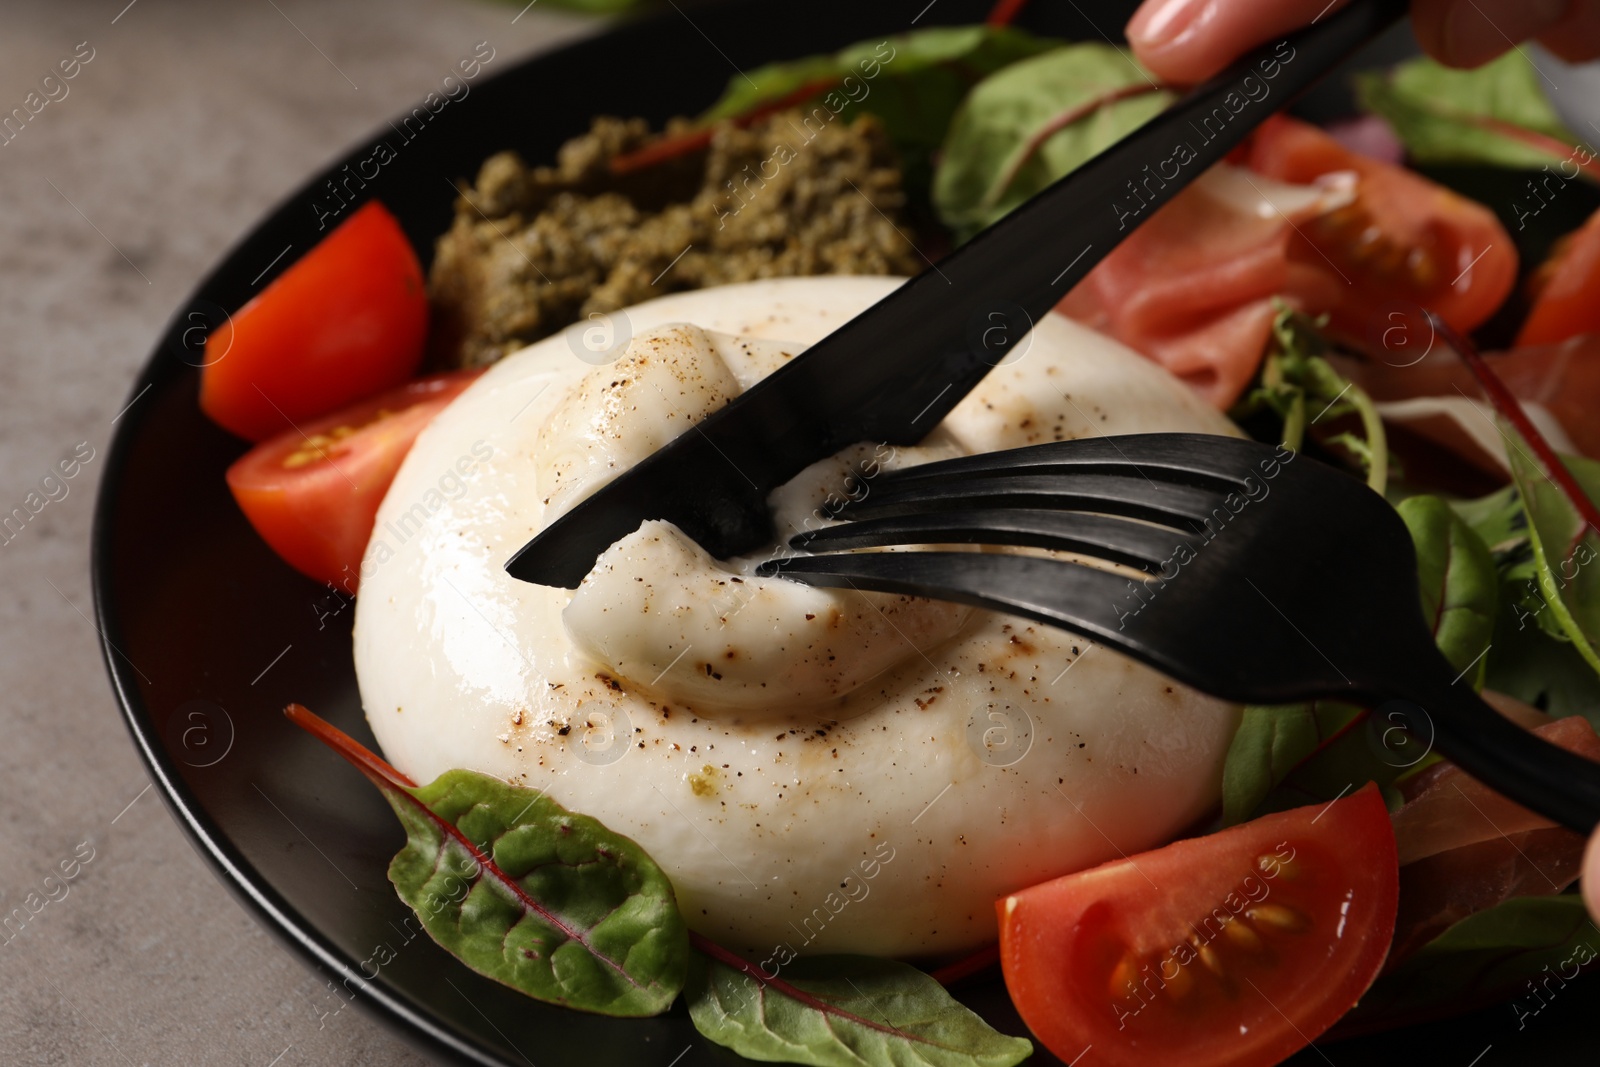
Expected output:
(1324, 228)
(1464, 848)
(1193, 287)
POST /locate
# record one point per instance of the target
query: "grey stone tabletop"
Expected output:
(183, 122)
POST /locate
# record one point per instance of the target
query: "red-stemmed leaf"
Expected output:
(521, 890)
(1558, 495)
(840, 1011)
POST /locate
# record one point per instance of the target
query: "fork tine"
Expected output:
(1200, 460)
(1056, 592)
(1130, 496)
(1135, 544)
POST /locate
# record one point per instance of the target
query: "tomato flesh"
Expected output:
(313, 493)
(345, 322)
(1566, 304)
(1237, 948)
(1404, 238)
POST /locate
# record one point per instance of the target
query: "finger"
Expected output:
(1469, 33)
(1576, 36)
(1591, 876)
(1187, 41)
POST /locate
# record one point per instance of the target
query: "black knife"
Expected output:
(894, 371)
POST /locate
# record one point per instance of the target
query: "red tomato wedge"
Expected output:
(1404, 238)
(1237, 948)
(347, 321)
(313, 495)
(1568, 300)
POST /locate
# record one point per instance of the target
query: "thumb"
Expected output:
(1187, 41)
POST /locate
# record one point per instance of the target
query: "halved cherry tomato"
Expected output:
(313, 495)
(347, 321)
(1567, 301)
(1237, 948)
(1404, 238)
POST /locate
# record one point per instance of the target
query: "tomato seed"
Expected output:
(1181, 984)
(1354, 236)
(1275, 866)
(1124, 975)
(1243, 936)
(1208, 956)
(1278, 917)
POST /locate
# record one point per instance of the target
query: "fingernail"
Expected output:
(1158, 22)
(1471, 37)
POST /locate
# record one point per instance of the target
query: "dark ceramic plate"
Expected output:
(224, 634)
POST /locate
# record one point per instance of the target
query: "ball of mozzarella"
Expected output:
(818, 771)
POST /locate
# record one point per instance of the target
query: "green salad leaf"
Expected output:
(1566, 547)
(913, 82)
(843, 1011)
(959, 54)
(1498, 520)
(522, 890)
(1544, 534)
(1270, 743)
(1527, 662)
(1496, 114)
(549, 902)
(1483, 959)
(1531, 657)
(1034, 121)
(1460, 585)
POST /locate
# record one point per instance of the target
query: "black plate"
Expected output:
(224, 634)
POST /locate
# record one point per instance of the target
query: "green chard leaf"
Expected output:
(1531, 657)
(1484, 959)
(1566, 545)
(1270, 743)
(1498, 520)
(842, 1011)
(912, 82)
(521, 890)
(1544, 532)
(1527, 662)
(960, 53)
(1496, 114)
(1034, 121)
(1460, 586)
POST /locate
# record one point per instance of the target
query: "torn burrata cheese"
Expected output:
(817, 770)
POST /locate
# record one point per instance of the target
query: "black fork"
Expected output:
(1249, 573)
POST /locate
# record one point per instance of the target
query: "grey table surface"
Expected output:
(190, 119)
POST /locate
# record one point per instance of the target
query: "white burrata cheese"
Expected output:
(817, 770)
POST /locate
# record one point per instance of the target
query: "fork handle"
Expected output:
(1543, 777)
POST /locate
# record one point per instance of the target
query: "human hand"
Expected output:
(1186, 41)
(1591, 875)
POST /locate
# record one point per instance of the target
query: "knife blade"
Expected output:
(894, 371)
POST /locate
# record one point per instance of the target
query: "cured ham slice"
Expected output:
(1464, 848)
(1193, 287)
(1311, 222)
